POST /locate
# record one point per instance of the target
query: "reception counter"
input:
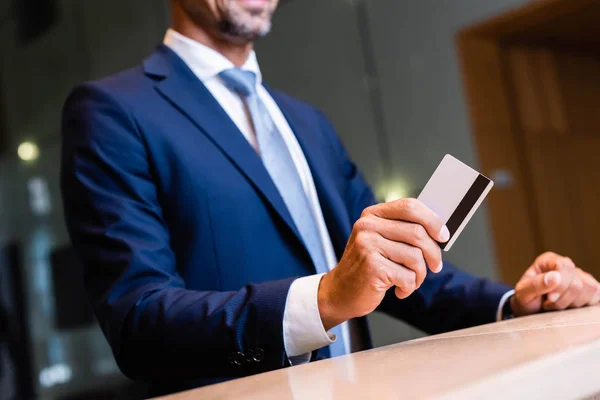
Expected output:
(546, 356)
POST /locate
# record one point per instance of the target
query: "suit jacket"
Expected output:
(189, 250)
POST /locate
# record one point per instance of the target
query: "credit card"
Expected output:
(455, 191)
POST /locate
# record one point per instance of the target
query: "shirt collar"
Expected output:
(205, 62)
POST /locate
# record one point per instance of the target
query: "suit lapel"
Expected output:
(178, 84)
(332, 205)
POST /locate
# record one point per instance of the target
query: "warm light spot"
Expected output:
(28, 151)
(392, 196)
(392, 191)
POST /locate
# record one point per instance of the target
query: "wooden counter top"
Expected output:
(549, 356)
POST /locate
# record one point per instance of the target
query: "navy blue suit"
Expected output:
(188, 248)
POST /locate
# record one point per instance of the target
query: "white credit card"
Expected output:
(455, 191)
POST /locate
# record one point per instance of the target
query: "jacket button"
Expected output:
(237, 358)
(258, 355)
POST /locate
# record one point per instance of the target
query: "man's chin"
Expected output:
(246, 20)
(242, 36)
(244, 31)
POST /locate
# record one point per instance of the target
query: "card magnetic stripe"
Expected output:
(466, 205)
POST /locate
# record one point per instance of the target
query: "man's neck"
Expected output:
(236, 53)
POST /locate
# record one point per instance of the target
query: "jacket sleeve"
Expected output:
(157, 328)
(446, 301)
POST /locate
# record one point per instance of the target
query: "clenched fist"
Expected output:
(392, 244)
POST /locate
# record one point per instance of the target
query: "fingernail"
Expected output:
(553, 297)
(440, 267)
(595, 300)
(444, 234)
(552, 278)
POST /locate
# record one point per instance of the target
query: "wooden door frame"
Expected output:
(493, 116)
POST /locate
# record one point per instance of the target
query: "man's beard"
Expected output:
(240, 25)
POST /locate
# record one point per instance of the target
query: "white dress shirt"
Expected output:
(303, 329)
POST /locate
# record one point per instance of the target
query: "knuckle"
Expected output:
(567, 263)
(362, 244)
(409, 257)
(360, 224)
(410, 280)
(362, 237)
(365, 223)
(416, 256)
(561, 265)
(547, 257)
(419, 233)
(570, 261)
(367, 211)
(410, 205)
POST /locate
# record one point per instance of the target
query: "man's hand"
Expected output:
(554, 282)
(391, 245)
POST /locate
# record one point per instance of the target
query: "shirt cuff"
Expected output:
(503, 301)
(303, 329)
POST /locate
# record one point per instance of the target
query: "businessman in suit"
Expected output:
(225, 231)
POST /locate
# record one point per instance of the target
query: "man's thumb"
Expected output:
(539, 285)
(551, 279)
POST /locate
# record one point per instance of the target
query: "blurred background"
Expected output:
(387, 72)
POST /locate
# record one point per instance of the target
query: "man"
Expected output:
(210, 211)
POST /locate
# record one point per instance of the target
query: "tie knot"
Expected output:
(240, 81)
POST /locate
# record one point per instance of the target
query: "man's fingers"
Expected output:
(568, 297)
(394, 274)
(585, 297)
(567, 270)
(402, 293)
(411, 234)
(590, 288)
(530, 289)
(568, 285)
(405, 281)
(403, 254)
(412, 210)
(553, 262)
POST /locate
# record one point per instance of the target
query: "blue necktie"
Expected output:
(280, 165)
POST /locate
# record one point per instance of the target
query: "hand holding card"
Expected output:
(394, 244)
(454, 192)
